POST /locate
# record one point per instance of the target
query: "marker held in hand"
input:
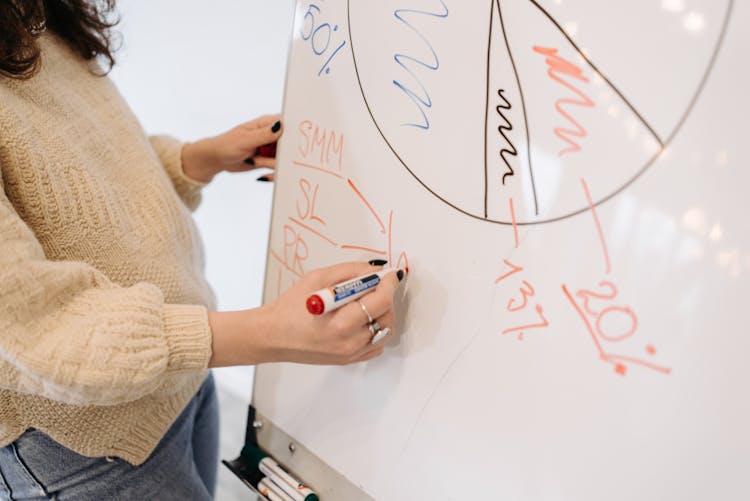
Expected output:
(335, 297)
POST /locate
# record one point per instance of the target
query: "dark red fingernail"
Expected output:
(264, 179)
(400, 275)
(250, 161)
(275, 127)
(378, 262)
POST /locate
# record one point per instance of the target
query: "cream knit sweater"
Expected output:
(104, 336)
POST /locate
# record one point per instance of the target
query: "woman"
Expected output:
(106, 328)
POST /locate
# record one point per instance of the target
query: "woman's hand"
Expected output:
(284, 331)
(233, 151)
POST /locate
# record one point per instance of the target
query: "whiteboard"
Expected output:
(566, 180)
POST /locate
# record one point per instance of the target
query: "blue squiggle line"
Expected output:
(403, 59)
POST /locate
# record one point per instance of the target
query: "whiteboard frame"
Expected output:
(328, 484)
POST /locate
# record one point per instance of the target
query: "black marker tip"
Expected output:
(264, 179)
(378, 262)
(275, 127)
(400, 275)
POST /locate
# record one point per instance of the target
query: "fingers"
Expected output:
(380, 306)
(343, 336)
(378, 302)
(370, 353)
(261, 122)
(256, 141)
(367, 350)
(387, 320)
(264, 162)
(268, 134)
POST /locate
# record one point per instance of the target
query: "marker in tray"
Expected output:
(278, 478)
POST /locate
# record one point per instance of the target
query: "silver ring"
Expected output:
(380, 335)
(374, 327)
(369, 317)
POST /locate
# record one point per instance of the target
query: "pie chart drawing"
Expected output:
(500, 108)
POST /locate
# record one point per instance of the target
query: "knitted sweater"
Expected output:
(104, 335)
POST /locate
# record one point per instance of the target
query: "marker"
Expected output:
(267, 150)
(329, 299)
(290, 486)
(272, 491)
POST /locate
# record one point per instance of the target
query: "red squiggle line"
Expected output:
(557, 66)
(362, 197)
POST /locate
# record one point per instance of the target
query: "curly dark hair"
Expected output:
(84, 24)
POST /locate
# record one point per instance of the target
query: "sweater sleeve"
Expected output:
(69, 334)
(169, 151)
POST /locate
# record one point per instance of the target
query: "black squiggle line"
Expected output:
(501, 129)
(523, 108)
(707, 73)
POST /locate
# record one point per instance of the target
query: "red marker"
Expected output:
(334, 297)
(267, 150)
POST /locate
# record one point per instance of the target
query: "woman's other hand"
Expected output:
(233, 151)
(284, 331)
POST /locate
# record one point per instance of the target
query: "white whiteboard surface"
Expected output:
(566, 179)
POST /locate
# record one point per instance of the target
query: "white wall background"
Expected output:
(191, 69)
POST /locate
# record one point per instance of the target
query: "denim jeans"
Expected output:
(182, 467)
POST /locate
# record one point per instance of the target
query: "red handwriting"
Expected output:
(607, 320)
(521, 328)
(310, 197)
(316, 168)
(325, 146)
(519, 303)
(367, 204)
(592, 209)
(586, 298)
(403, 258)
(515, 223)
(367, 249)
(295, 251)
(313, 231)
(285, 265)
(559, 66)
(527, 291)
(514, 269)
(321, 151)
(594, 329)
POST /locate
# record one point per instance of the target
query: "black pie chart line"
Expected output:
(719, 43)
